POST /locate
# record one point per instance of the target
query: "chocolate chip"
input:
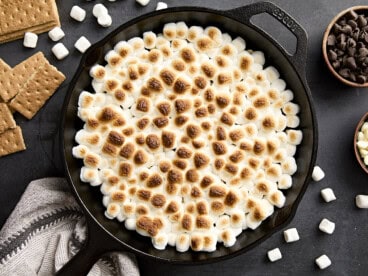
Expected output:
(361, 21)
(355, 34)
(351, 15)
(353, 24)
(336, 28)
(352, 77)
(336, 64)
(360, 45)
(361, 79)
(351, 51)
(363, 52)
(345, 72)
(331, 40)
(350, 63)
(332, 55)
(347, 29)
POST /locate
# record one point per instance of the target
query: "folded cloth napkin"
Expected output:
(46, 229)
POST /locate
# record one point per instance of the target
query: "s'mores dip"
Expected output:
(189, 135)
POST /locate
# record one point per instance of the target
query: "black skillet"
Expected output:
(109, 235)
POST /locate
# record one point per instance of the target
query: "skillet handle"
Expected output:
(244, 14)
(98, 243)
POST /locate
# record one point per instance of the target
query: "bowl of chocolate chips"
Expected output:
(345, 46)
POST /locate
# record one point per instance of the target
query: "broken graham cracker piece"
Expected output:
(6, 118)
(13, 80)
(18, 16)
(11, 141)
(37, 91)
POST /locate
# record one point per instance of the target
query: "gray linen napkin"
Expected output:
(46, 229)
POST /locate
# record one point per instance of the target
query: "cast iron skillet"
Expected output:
(109, 235)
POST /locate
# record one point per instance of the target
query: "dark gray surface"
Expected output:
(338, 110)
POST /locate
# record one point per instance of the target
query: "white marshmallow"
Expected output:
(272, 73)
(239, 44)
(285, 182)
(328, 194)
(104, 20)
(82, 44)
(30, 40)
(160, 241)
(60, 51)
(318, 174)
(56, 34)
(323, 262)
(327, 226)
(78, 13)
(292, 121)
(143, 2)
(99, 10)
(361, 201)
(259, 57)
(291, 235)
(161, 6)
(130, 223)
(274, 254)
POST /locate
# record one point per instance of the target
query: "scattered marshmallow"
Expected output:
(82, 44)
(327, 226)
(318, 174)
(274, 254)
(323, 262)
(104, 20)
(143, 2)
(291, 235)
(361, 201)
(30, 40)
(56, 34)
(78, 13)
(161, 6)
(99, 10)
(60, 51)
(328, 194)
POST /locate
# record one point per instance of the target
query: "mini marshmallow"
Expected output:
(361, 201)
(161, 6)
(56, 34)
(272, 73)
(294, 136)
(82, 44)
(160, 241)
(91, 176)
(80, 151)
(104, 20)
(130, 223)
(318, 174)
(323, 262)
(30, 40)
(60, 51)
(292, 121)
(291, 235)
(328, 194)
(113, 209)
(78, 13)
(274, 254)
(149, 39)
(143, 2)
(327, 226)
(182, 242)
(99, 10)
(259, 57)
(239, 44)
(285, 182)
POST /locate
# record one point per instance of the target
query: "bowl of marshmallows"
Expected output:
(361, 142)
(345, 46)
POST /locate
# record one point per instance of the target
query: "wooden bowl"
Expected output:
(324, 46)
(356, 150)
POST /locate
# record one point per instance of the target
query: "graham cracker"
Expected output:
(11, 141)
(20, 34)
(37, 91)
(4, 67)
(13, 80)
(24, 14)
(6, 118)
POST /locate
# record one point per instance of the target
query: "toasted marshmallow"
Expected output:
(169, 31)
(149, 39)
(80, 151)
(91, 176)
(285, 182)
(181, 30)
(97, 72)
(276, 198)
(112, 211)
(194, 32)
(182, 242)
(160, 241)
(289, 166)
(228, 237)
(294, 136)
